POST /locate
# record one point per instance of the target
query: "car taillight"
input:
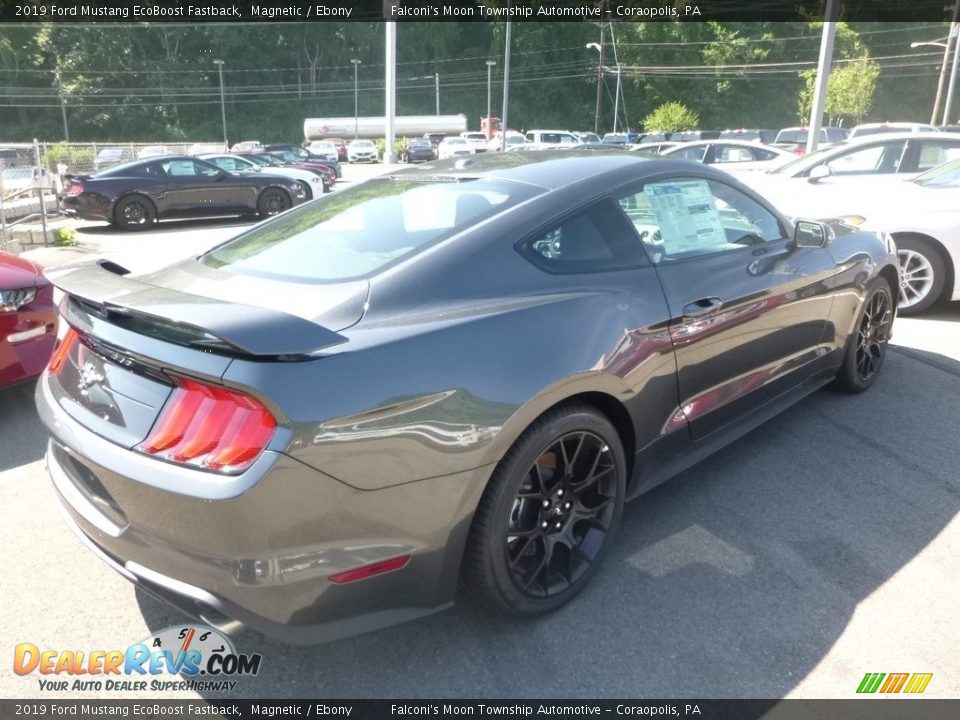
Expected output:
(75, 189)
(60, 354)
(210, 427)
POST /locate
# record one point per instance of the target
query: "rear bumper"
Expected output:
(97, 208)
(263, 558)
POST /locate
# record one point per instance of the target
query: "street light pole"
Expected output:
(223, 103)
(490, 64)
(596, 112)
(436, 81)
(356, 100)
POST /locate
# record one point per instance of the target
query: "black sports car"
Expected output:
(295, 153)
(456, 372)
(418, 150)
(134, 195)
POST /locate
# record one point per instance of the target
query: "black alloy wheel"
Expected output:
(549, 513)
(872, 336)
(561, 515)
(134, 212)
(273, 201)
(867, 346)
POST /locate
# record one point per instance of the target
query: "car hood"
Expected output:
(17, 272)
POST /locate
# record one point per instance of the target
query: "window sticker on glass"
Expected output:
(687, 216)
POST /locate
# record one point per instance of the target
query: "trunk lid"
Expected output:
(129, 335)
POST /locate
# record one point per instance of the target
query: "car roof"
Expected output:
(549, 169)
(887, 137)
(729, 141)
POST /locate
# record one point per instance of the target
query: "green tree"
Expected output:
(850, 90)
(671, 117)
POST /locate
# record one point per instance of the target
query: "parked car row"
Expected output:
(134, 195)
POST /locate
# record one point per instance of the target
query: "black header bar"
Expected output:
(194, 11)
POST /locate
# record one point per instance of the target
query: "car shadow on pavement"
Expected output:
(169, 226)
(735, 579)
(23, 438)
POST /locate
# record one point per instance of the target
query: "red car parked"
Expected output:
(341, 146)
(28, 320)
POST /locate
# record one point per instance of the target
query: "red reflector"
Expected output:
(366, 571)
(210, 427)
(60, 354)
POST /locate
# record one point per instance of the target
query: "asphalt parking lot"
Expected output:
(821, 546)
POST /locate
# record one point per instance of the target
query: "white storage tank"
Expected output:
(376, 127)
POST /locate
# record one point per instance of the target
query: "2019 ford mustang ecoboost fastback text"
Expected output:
(452, 373)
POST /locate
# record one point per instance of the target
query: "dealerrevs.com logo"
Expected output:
(204, 658)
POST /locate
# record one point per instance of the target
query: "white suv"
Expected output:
(549, 139)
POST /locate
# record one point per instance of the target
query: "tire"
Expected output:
(134, 212)
(540, 532)
(867, 346)
(307, 190)
(922, 275)
(273, 201)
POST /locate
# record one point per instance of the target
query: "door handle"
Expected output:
(701, 307)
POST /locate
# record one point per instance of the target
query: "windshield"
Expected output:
(362, 230)
(945, 175)
(258, 159)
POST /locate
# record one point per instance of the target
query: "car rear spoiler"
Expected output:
(102, 288)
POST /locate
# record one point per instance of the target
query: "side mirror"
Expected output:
(810, 233)
(818, 173)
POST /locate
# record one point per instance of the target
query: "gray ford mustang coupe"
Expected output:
(448, 376)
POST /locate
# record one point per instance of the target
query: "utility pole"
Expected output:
(596, 112)
(943, 66)
(616, 102)
(63, 108)
(436, 82)
(223, 105)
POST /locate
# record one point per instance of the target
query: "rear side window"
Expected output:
(695, 153)
(879, 159)
(936, 152)
(595, 240)
(360, 231)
